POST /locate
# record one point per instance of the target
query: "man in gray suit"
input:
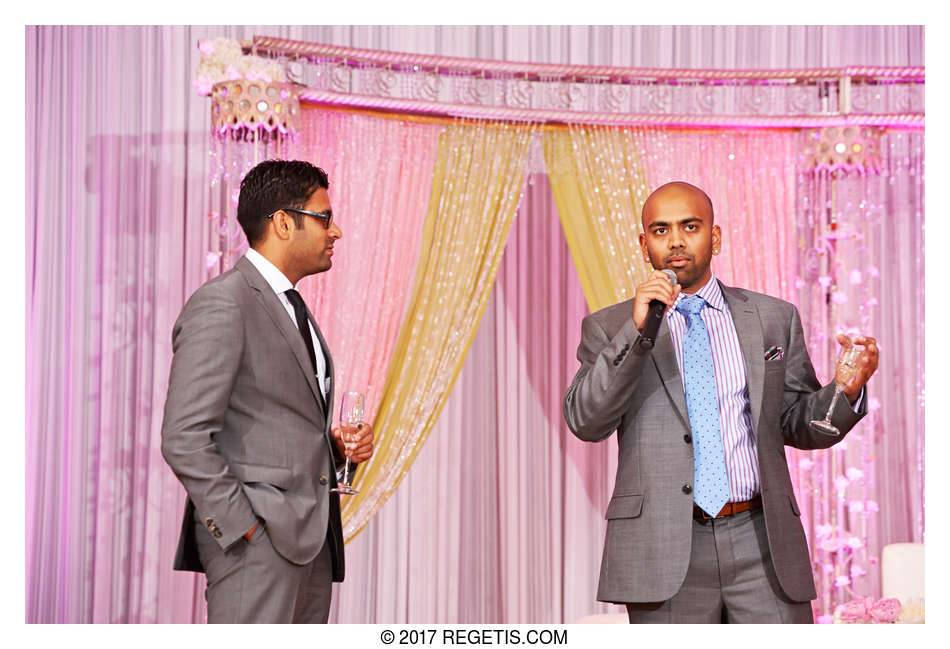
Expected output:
(703, 525)
(247, 418)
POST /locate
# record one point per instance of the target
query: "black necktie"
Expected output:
(303, 324)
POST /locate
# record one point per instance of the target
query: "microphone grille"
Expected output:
(673, 279)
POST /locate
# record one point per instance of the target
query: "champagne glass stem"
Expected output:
(834, 400)
(346, 472)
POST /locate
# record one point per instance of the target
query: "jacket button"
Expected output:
(626, 348)
(616, 362)
(323, 479)
(687, 439)
(687, 489)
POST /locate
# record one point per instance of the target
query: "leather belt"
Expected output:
(729, 510)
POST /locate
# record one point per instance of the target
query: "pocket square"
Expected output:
(775, 353)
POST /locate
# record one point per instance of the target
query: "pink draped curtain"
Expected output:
(750, 178)
(360, 304)
(118, 169)
(512, 532)
(500, 519)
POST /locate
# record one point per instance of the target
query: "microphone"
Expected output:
(657, 308)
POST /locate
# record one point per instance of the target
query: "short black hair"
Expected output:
(275, 185)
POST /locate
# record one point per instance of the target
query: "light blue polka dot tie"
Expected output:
(710, 480)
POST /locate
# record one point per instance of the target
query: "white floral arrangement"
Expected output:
(223, 60)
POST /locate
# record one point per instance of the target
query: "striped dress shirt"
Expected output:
(735, 416)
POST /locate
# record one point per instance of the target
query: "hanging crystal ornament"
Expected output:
(250, 110)
(847, 179)
(847, 148)
(251, 120)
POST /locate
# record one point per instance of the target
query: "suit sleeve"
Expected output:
(207, 341)
(600, 393)
(805, 399)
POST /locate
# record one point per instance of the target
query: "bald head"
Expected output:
(679, 234)
(677, 191)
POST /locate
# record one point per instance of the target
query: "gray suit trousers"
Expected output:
(730, 579)
(282, 592)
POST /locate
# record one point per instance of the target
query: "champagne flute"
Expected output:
(351, 416)
(845, 370)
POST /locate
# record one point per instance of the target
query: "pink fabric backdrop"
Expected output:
(360, 304)
(750, 177)
(117, 200)
(513, 531)
(115, 237)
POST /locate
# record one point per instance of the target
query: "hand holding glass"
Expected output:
(845, 370)
(351, 416)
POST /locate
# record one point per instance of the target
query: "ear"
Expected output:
(643, 248)
(282, 225)
(716, 239)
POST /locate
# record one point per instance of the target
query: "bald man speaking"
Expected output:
(703, 526)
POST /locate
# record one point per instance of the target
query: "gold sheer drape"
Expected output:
(477, 181)
(599, 186)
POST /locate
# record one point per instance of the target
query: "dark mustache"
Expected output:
(681, 253)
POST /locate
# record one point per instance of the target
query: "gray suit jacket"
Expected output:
(640, 395)
(244, 428)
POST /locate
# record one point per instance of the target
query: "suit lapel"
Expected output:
(326, 355)
(327, 435)
(664, 357)
(282, 322)
(745, 316)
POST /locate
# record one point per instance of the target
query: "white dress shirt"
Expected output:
(279, 283)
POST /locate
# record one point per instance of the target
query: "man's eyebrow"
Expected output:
(666, 224)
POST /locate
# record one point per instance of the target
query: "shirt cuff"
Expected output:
(859, 402)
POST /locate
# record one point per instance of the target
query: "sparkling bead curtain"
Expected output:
(598, 182)
(501, 518)
(359, 304)
(476, 185)
(860, 268)
(750, 178)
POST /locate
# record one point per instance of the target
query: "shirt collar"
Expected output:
(272, 275)
(711, 292)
